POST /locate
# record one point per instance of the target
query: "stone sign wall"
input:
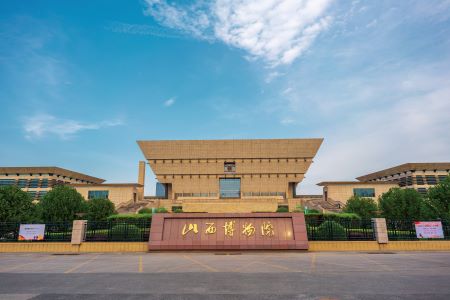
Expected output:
(202, 231)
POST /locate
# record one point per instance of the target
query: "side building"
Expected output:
(228, 175)
(37, 181)
(419, 176)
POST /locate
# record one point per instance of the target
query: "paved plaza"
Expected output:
(234, 275)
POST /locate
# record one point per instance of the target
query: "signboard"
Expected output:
(429, 230)
(31, 232)
(196, 231)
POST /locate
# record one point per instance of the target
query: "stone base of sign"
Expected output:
(380, 230)
(210, 231)
(78, 231)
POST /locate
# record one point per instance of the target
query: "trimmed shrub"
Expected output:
(161, 210)
(99, 209)
(178, 210)
(145, 210)
(129, 217)
(125, 232)
(331, 230)
(282, 209)
(322, 217)
(366, 208)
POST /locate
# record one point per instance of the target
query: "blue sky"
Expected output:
(80, 82)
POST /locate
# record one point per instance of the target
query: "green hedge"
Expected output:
(130, 217)
(145, 210)
(331, 230)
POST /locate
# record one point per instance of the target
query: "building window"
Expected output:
(422, 190)
(229, 167)
(419, 180)
(7, 182)
(34, 183)
(364, 192)
(98, 195)
(230, 187)
(22, 183)
(44, 183)
(431, 179)
(442, 177)
(161, 190)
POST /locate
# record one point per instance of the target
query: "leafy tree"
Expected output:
(438, 198)
(282, 209)
(99, 209)
(366, 208)
(17, 205)
(161, 210)
(404, 204)
(62, 203)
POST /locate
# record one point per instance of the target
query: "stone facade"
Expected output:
(118, 193)
(268, 171)
(341, 191)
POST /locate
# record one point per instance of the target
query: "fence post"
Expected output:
(380, 229)
(78, 231)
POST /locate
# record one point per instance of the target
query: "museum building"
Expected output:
(256, 175)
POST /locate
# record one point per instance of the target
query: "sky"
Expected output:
(81, 81)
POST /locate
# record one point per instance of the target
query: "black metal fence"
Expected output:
(404, 230)
(54, 232)
(118, 231)
(339, 230)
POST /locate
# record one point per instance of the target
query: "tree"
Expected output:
(17, 205)
(99, 209)
(62, 203)
(404, 204)
(366, 208)
(438, 197)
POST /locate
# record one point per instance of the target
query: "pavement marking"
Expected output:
(174, 268)
(385, 267)
(81, 264)
(140, 268)
(313, 262)
(26, 264)
(201, 264)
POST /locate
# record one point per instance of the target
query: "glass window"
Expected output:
(42, 194)
(23, 183)
(34, 183)
(98, 194)
(7, 182)
(32, 194)
(230, 187)
(422, 190)
(161, 190)
(44, 183)
(364, 192)
(419, 180)
(442, 178)
(431, 179)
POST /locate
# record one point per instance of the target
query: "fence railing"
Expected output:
(118, 231)
(54, 232)
(403, 230)
(339, 230)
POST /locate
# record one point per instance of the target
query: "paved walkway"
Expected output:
(258, 275)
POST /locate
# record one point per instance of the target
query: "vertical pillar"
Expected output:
(141, 181)
(380, 230)
(78, 231)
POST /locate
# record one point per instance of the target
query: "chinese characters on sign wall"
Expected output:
(248, 229)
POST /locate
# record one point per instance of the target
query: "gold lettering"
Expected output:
(267, 229)
(211, 229)
(229, 228)
(186, 229)
(248, 229)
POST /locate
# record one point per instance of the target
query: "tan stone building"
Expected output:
(419, 176)
(228, 175)
(37, 181)
(340, 191)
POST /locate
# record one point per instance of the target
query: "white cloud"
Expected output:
(43, 125)
(276, 31)
(169, 102)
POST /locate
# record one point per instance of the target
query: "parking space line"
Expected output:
(278, 266)
(26, 264)
(201, 264)
(174, 268)
(81, 264)
(140, 268)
